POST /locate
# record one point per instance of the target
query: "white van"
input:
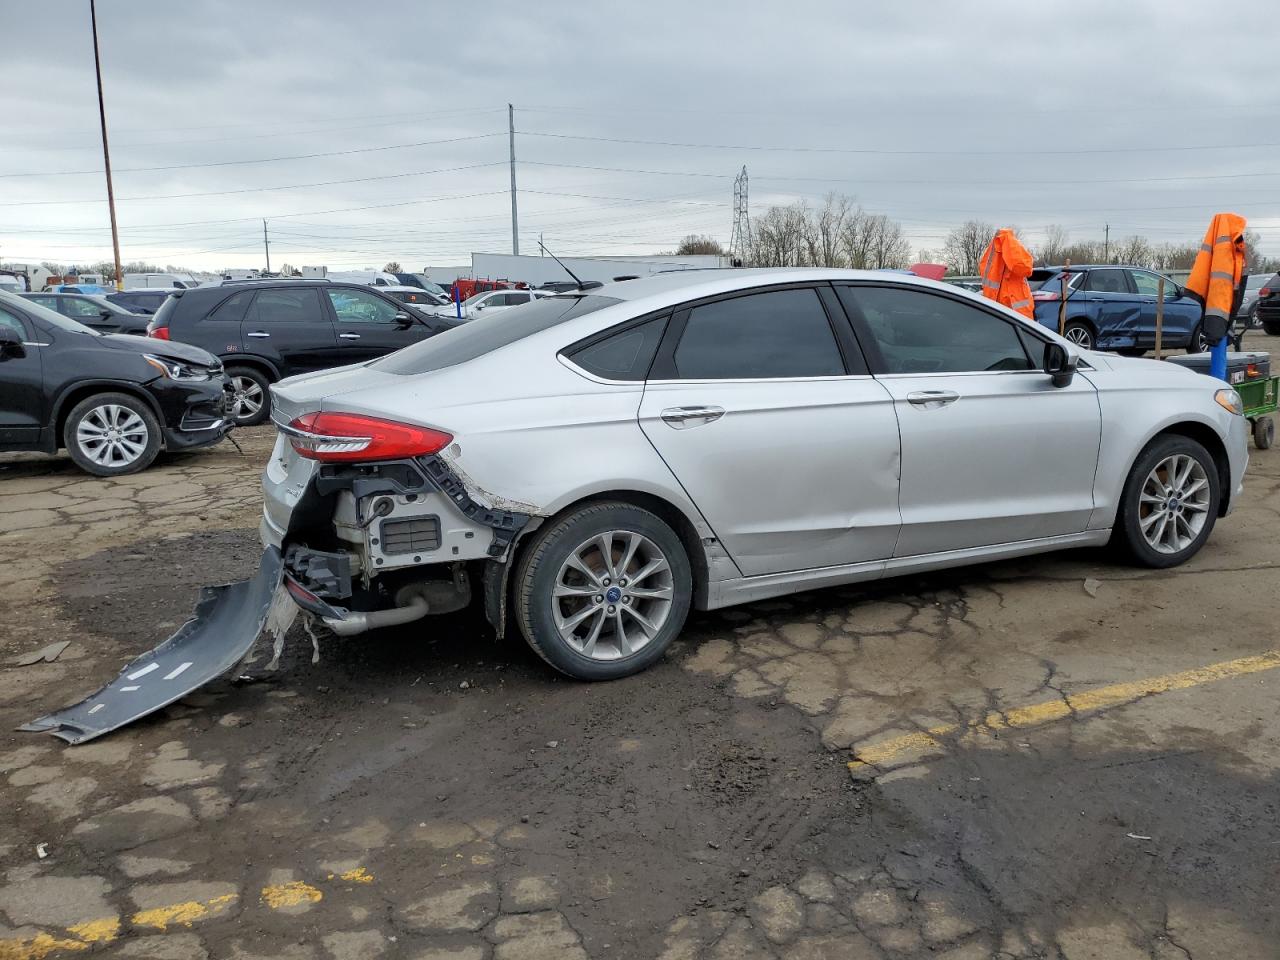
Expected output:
(371, 278)
(171, 281)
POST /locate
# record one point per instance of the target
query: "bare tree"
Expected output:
(889, 248)
(822, 232)
(1053, 250)
(393, 267)
(699, 245)
(1134, 251)
(964, 245)
(778, 236)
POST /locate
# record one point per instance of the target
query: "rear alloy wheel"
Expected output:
(1079, 333)
(1198, 342)
(603, 592)
(1170, 502)
(252, 400)
(112, 434)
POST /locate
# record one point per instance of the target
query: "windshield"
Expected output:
(46, 315)
(430, 287)
(478, 337)
(477, 297)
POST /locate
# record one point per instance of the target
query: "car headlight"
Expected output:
(1228, 399)
(176, 369)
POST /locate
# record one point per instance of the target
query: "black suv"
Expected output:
(267, 330)
(1268, 306)
(111, 400)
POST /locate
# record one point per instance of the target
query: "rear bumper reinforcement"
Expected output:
(227, 621)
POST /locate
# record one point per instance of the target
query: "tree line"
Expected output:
(840, 233)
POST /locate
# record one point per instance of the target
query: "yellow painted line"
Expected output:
(1039, 714)
(183, 914)
(84, 936)
(291, 894)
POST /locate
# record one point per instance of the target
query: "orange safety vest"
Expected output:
(1005, 266)
(1218, 266)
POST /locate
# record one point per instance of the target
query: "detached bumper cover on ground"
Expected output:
(227, 621)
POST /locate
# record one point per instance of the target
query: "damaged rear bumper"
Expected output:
(228, 619)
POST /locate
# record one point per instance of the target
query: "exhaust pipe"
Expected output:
(357, 622)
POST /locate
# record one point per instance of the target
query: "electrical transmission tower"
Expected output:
(740, 239)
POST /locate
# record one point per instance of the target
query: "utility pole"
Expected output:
(266, 245)
(106, 151)
(1106, 243)
(740, 238)
(515, 227)
(541, 251)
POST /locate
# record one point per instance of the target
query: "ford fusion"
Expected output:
(592, 465)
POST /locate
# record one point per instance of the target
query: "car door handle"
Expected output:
(932, 399)
(683, 417)
(258, 334)
(349, 336)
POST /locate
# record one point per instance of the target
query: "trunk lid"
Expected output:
(294, 396)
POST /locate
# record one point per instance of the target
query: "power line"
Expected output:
(1003, 181)
(238, 163)
(890, 153)
(227, 193)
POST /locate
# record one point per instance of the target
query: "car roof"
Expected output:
(692, 284)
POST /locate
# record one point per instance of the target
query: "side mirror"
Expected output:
(106, 314)
(11, 344)
(1060, 364)
(403, 320)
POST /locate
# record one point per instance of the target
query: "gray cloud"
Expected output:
(210, 82)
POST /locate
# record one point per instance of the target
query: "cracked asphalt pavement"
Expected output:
(987, 762)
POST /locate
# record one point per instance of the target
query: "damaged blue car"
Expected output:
(1114, 308)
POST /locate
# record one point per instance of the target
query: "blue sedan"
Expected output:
(1114, 308)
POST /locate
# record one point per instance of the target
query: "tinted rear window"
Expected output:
(478, 337)
(1039, 278)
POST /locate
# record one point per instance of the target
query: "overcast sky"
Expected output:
(1021, 114)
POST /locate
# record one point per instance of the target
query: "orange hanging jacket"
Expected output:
(1219, 264)
(1005, 266)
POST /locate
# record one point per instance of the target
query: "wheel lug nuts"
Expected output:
(626, 599)
(599, 599)
(622, 583)
(612, 608)
(606, 581)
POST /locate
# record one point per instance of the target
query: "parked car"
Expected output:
(605, 460)
(112, 401)
(93, 288)
(421, 281)
(416, 297)
(1268, 307)
(264, 330)
(93, 310)
(1247, 316)
(1114, 308)
(496, 300)
(143, 302)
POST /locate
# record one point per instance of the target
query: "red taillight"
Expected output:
(1264, 292)
(158, 333)
(344, 437)
(1045, 295)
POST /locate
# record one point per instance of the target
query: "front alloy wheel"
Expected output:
(1174, 503)
(112, 434)
(601, 592)
(1169, 503)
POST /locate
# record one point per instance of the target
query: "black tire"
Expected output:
(138, 428)
(1264, 433)
(1132, 351)
(250, 383)
(539, 567)
(1196, 344)
(1127, 533)
(1271, 327)
(1079, 333)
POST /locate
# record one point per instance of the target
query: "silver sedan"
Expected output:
(591, 466)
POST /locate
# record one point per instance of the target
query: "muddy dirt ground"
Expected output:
(431, 792)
